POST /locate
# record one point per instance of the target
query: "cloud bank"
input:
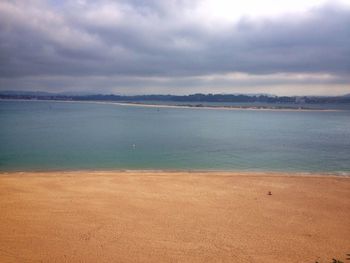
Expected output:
(138, 47)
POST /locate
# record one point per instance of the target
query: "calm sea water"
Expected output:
(53, 135)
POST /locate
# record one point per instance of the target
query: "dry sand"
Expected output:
(173, 217)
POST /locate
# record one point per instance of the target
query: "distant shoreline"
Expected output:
(251, 108)
(187, 106)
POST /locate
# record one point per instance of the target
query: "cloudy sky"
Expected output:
(290, 47)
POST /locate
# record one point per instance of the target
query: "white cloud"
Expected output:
(233, 10)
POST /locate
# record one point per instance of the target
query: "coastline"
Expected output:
(167, 216)
(267, 173)
(248, 108)
(145, 105)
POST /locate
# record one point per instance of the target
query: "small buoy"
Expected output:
(134, 146)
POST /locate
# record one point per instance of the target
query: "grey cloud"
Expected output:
(107, 39)
(308, 83)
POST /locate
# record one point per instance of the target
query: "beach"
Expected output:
(158, 216)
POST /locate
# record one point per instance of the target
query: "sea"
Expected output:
(52, 135)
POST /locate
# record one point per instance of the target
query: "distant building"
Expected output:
(300, 99)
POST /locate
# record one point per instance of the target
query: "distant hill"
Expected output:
(198, 97)
(26, 93)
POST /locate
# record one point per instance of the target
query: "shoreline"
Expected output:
(145, 105)
(248, 108)
(157, 216)
(315, 174)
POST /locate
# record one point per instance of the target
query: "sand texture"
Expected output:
(173, 217)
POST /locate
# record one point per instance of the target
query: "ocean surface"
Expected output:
(41, 135)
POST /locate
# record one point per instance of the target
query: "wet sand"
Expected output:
(173, 217)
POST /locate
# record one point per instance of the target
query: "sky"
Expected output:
(290, 47)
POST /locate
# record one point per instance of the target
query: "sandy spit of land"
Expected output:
(248, 108)
(173, 217)
(207, 107)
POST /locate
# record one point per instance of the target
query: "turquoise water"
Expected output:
(58, 136)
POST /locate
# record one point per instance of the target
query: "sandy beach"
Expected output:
(173, 217)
